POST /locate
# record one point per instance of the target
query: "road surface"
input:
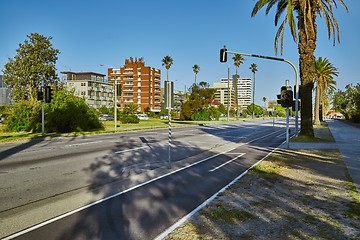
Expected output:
(119, 186)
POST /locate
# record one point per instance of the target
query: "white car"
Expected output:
(143, 116)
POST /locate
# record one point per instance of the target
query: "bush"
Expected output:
(24, 116)
(131, 118)
(68, 113)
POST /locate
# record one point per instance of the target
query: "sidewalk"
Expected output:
(347, 137)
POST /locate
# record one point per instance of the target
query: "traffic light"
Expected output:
(223, 55)
(286, 97)
(279, 95)
(48, 94)
(40, 95)
(118, 89)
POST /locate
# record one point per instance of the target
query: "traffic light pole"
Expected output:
(42, 111)
(296, 80)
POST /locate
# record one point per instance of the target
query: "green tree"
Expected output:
(167, 61)
(199, 101)
(130, 109)
(222, 109)
(256, 109)
(196, 70)
(325, 71)
(303, 29)
(264, 100)
(34, 62)
(253, 68)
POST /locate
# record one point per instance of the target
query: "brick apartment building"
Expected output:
(140, 85)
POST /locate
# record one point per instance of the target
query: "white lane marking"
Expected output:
(80, 144)
(143, 184)
(132, 149)
(231, 160)
(193, 212)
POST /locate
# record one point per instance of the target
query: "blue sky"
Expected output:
(94, 33)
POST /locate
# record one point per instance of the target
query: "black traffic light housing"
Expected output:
(48, 94)
(40, 95)
(287, 97)
(223, 55)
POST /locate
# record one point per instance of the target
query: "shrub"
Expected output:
(68, 113)
(131, 118)
(24, 116)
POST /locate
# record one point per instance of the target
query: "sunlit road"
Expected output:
(120, 186)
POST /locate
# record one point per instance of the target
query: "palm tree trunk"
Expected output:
(306, 48)
(253, 99)
(317, 105)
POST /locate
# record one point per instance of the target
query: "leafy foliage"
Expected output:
(34, 62)
(348, 102)
(131, 118)
(69, 113)
(130, 109)
(199, 101)
(257, 109)
(24, 116)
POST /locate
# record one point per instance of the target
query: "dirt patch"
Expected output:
(293, 194)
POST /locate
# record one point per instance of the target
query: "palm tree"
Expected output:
(264, 100)
(303, 29)
(196, 69)
(238, 60)
(324, 82)
(167, 61)
(253, 68)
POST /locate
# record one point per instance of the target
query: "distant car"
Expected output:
(105, 117)
(164, 116)
(142, 116)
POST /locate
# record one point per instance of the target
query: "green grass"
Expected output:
(321, 132)
(109, 127)
(267, 168)
(229, 216)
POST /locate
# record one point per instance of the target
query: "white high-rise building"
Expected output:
(242, 89)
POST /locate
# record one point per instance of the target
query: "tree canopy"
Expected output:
(34, 62)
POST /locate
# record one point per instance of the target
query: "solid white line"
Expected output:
(133, 188)
(231, 160)
(188, 216)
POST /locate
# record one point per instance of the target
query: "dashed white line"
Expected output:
(231, 160)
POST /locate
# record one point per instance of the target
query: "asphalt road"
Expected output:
(119, 186)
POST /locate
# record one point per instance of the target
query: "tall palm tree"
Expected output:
(303, 29)
(196, 69)
(253, 68)
(167, 61)
(238, 60)
(325, 71)
(264, 100)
